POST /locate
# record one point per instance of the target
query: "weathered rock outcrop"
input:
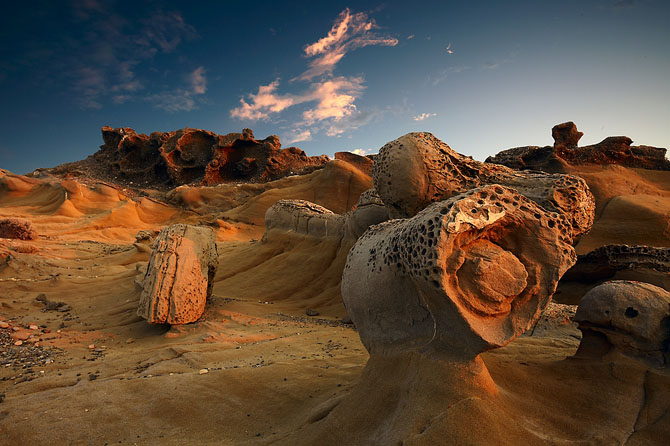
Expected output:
(193, 155)
(363, 163)
(17, 228)
(605, 261)
(611, 150)
(428, 294)
(615, 262)
(464, 275)
(632, 318)
(303, 217)
(418, 169)
(179, 275)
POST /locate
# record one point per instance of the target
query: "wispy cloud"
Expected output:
(443, 74)
(424, 116)
(410, 37)
(181, 99)
(263, 103)
(109, 49)
(350, 31)
(305, 135)
(330, 99)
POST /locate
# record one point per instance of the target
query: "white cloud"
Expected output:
(361, 152)
(305, 135)
(411, 36)
(423, 116)
(198, 81)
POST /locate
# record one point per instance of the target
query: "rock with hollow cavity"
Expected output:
(179, 275)
(630, 317)
(418, 169)
(464, 275)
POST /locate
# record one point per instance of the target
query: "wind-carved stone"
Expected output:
(418, 169)
(179, 275)
(631, 318)
(428, 294)
(462, 276)
(306, 218)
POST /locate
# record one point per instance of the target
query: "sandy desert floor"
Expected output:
(255, 369)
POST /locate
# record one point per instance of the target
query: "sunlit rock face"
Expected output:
(611, 150)
(179, 276)
(194, 155)
(418, 169)
(462, 276)
(632, 318)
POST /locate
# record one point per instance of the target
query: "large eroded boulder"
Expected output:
(464, 275)
(629, 317)
(179, 275)
(418, 169)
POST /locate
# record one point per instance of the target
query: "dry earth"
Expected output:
(256, 370)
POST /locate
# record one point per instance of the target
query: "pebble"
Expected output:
(91, 347)
(4, 324)
(34, 327)
(203, 371)
(311, 312)
(18, 343)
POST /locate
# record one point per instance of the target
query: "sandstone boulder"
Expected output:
(566, 135)
(363, 163)
(632, 318)
(303, 217)
(418, 169)
(17, 228)
(178, 279)
(464, 275)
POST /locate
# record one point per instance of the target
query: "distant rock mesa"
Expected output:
(611, 150)
(199, 156)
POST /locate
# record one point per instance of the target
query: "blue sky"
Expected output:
(330, 76)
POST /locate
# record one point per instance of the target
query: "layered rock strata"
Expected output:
(179, 276)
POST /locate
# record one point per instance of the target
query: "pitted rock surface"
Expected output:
(179, 275)
(418, 169)
(464, 275)
(17, 228)
(189, 156)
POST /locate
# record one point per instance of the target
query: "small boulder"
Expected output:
(630, 317)
(17, 228)
(566, 134)
(179, 275)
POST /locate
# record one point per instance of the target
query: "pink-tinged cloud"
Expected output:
(350, 31)
(423, 116)
(335, 99)
(263, 103)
